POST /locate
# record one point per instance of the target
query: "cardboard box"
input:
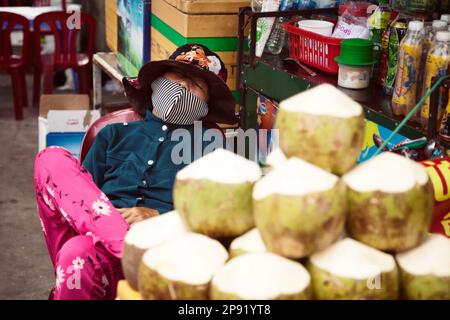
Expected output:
(133, 38)
(63, 121)
(111, 24)
(209, 6)
(205, 24)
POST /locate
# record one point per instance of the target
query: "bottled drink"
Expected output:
(446, 18)
(410, 54)
(430, 34)
(438, 61)
(277, 38)
(438, 25)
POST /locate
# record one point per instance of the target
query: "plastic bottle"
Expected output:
(430, 34)
(409, 58)
(438, 25)
(437, 64)
(277, 38)
(446, 18)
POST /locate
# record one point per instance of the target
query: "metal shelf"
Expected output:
(271, 77)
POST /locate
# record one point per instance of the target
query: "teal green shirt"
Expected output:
(132, 162)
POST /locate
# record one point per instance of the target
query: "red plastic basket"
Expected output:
(313, 49)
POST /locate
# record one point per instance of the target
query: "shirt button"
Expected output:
(164, 128)
(161, 139)
(150, 162)
(144, 182)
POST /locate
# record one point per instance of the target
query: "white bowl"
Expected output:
(324, 28)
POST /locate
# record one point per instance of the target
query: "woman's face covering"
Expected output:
(196, 86)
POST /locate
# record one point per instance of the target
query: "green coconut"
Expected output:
(250, 242)
(261, 276)
(214, 194)
(390, 203)
(146, 235)
(425, 270)
(351, 270)
(322, 126)
(299, 209)
(181, 269)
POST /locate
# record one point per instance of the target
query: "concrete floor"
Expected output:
(25, 268)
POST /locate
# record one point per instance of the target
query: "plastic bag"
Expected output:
(350, 25)
(264, 25)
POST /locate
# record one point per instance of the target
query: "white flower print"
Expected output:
(78, 263)
(101, 208)
(105, 281)
(48, 202)
(43, 227)
(104, 197)
(51, 191)
(59, 277)
(214, 64)
(64, 215)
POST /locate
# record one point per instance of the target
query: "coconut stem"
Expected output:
(413, 111)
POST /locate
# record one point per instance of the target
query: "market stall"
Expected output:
(327, 208)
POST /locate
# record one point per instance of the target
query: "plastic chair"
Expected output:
(126, 115)
(15, 65)
(66, 55)
(36, 3)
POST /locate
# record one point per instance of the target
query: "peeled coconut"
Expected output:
(322, 126)
(181, 269)
(261, 276)
(299, 209)
(276, 158)
(390, 203)
(351, 270)
(125, 292)
(145, 235)
(251, 242)
(214, 194)
(425, 270)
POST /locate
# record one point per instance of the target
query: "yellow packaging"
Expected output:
(436, 66)
(405, 93)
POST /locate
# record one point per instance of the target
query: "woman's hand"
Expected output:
(137, 214)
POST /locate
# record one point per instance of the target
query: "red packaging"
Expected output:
(439, 173)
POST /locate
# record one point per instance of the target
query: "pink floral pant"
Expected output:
(83, 231)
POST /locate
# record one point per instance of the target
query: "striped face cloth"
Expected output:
(174, 104)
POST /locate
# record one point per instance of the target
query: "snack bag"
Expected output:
(439, 173)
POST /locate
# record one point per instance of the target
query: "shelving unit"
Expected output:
(271, 77)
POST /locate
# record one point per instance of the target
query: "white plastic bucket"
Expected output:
(324, 28)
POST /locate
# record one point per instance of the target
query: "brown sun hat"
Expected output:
(197, 61)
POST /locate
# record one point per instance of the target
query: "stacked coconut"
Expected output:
(289, 229)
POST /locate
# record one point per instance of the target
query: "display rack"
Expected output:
(272, 77)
